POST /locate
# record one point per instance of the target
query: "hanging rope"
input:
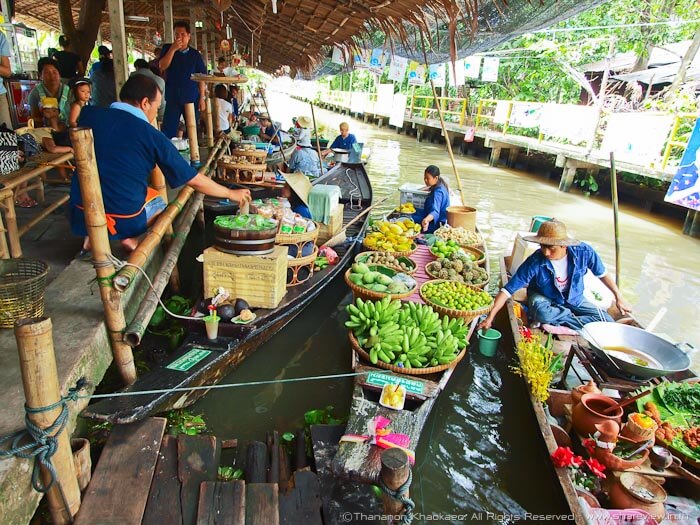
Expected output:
(43, 442)
(401, 495)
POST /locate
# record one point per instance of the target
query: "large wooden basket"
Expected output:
(361, 255)
(479, 254)
(437, 277)
(408, 371)
(467, 315)
(365, 294)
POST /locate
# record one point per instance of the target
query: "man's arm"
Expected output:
(202, 95)
(167, 58)
(5, 69)
(619, 300)
(204, 184)
(498, 303)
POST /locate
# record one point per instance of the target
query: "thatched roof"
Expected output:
(302, 32)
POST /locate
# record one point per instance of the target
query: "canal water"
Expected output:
(480, 459)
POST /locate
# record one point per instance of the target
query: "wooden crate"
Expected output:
(326, 231)
(259, 279)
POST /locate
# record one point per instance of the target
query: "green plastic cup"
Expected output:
(488, 341)
(537, 221)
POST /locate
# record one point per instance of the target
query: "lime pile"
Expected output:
(442, 249)
(455, 295)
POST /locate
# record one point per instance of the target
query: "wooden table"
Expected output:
(32, 174)
(211, 81)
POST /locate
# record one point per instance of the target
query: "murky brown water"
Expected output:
(480, 452)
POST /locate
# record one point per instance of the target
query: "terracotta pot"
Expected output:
(588, 413)
(627, 493)
(579, 391)
(82, 461)
(613, 462)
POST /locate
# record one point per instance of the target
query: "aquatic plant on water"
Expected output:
(586, 473)
(537, 363)
(183, 422)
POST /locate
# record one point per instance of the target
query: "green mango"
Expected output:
(356, 278)
(359, 267)
(369, 277)
(383, 279)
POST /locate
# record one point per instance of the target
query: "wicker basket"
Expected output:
(295, 265)
(22, 286)
(467, 315)
(435, 276)
(479, 254)
(408, 371)
(365, 294)
(634, 432)
(360, 256)
(414, 247)
(297, 238)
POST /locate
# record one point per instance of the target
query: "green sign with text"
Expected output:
(379, 379)
(187, 361)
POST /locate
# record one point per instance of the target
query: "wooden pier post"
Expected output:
(692, 224)
(394, 473)
(96, 225)
(191, 123)
(41, 388)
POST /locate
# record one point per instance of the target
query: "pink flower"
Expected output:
(576, 461)
(563, 457)
(595, 467)
(589, 445)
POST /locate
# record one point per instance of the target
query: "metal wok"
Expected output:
(635, 351)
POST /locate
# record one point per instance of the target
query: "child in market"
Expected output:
(81, 96)
(224, 110)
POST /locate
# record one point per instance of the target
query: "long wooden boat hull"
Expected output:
(216, 359)
(277, 158)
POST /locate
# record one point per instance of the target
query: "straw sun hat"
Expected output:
(300, 184)
(304, 122)
(552, 233)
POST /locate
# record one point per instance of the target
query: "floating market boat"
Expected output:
(276, 157)
(202, 362)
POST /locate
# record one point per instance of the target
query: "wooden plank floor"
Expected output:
(221, 503)
(261, 504)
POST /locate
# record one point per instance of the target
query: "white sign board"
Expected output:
(500, 116)
(397, 69)
(489, 73)
(568, 121)
(337, 57)
(416, 73)
(525, 115)
(456, 73)
(636, 137)
(437, 74)
(358, 102)
(385, 97)
(398, 110)
(471, 67)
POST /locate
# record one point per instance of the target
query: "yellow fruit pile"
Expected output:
(406, 207)
(393, 396)
(392, 236)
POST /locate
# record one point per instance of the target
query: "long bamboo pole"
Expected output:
(191, 123)
(444, 129)
(318, 144)
(41, 388)
(267, 110)
(613, 186)
(137, 327)
(96, 224)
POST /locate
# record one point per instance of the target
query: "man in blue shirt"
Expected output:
(343, 141)
(305, 159)
(125, 127)
(269, 132)
(554, 279)
(179, 61)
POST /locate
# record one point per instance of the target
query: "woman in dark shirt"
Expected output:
(69, 64)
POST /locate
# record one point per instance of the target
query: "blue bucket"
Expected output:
(537, 221)
(355, 156)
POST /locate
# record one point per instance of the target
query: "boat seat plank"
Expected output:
(164, 498)
(197, 461)
(261, 504)
(302, 504)
(118, 491)
(430, 388)
(221, 503)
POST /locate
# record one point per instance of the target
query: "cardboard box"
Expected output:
(522, 249)
(326, 231)
(259, 279)
(413, 193)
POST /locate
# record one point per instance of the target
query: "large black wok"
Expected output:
(635, 351)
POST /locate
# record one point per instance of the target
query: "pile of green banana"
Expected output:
(407, 335)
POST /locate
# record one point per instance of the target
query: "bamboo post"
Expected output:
(191, 123)
(613, 185)
(318, 144)
(394, 473)
(215, 120)
(96, 224)
(41, 389)
(601, 92)
(208, 122)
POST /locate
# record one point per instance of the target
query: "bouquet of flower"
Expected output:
(586, 473)
(537, 363)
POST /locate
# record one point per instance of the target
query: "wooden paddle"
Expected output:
(626, 402)
(340, 236)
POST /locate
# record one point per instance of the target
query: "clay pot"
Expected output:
(613, 462)
(634, 491)
(589, 413)
(579, 391)
(609, 431)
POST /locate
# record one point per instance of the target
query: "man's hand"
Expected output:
(425, 223)
(623, 306)
(178, 45)
(241, 196)
(485, 324)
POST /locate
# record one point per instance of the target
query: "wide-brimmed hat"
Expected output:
(552, 233)
(300, 184)
(304, 122)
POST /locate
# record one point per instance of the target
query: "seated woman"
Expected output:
(305, 159)
(269, 132)
(52, 87)
(434, 213)
(296, 191)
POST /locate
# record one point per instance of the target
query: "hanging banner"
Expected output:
(416, 73)
(398, 110)
(361, 58)
(385, 97)
(489, 73)
(472, 66)
(456, 73)
(337, 56)
(572, 122)
(684, 189)
(437, 74)
(397, 69)
(525, 115)
(377, 61)
(636, 137)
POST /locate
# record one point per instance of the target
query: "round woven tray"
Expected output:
(467, 315)
(437, 277)
(365, 294)
(395, 254)
(408, 371)
(295, 238)
(361, 255)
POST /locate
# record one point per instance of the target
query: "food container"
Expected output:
(635, 429)
(635, 491)
(393, 397)
(589, 413)
(244, 241)
(340, 155)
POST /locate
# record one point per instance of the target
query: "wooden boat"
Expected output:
(201, 362)
(277, 158)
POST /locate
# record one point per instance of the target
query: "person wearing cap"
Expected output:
(179, 61)
(343, 141)
(127, 148)
(553, 276)
(305, 159)
(296, 191)
(50, 86)
(70, 65)
(81, 91)
(103, 52)
(301, 129)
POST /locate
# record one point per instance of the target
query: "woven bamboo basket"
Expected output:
(414, 247)
(437, 277)
(479, 254)
(294, 267)
(408, 371)
(365, 294)
(363, 255)
(297, 238)
(467, 315)
(22, 287)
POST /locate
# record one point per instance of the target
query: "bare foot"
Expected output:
(129, 244)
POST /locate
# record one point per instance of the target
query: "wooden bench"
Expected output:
(33, 174)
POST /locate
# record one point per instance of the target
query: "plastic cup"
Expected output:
(488, 341)
(212, 326)
(537, 221)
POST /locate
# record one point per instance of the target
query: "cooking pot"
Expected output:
(340, 155)
(635, 351)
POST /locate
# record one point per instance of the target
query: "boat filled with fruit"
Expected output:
(623, 448)
(264, 268)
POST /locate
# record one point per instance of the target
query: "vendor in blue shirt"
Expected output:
(553, 276)
(434, 212)
(296, 191)
(343, 141)
(180, 61)
(305, 159)
(269, 132)
(127, 148)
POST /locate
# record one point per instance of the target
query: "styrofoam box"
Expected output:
(413, 193)
(522, 249)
